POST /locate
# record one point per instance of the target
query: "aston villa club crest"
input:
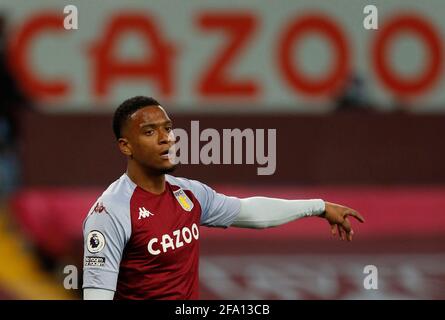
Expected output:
(183, 200)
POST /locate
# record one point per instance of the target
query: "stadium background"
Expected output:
(360, 116)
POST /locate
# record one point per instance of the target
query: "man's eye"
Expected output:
(149, 132)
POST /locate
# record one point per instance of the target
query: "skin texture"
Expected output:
(146, 136)
(337, 216)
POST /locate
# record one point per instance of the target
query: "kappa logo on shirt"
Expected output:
(183, 200)
(99, 208)
(144, 213)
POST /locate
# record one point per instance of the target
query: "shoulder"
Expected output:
(194, 186)
(115, 200)
(206, 196)
(200, 191)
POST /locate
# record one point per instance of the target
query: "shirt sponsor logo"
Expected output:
(183, 200)
(95, 241)
(94, 261)
(176, 240)
(144, 213)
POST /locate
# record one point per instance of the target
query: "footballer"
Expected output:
(141, 237)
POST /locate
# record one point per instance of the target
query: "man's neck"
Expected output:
(154, 183)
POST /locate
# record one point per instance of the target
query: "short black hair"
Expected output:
(127, 108)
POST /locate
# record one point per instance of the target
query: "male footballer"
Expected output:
(141, 237)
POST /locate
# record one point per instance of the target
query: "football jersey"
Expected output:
(146, 246)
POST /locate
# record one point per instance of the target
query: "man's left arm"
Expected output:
(262, 212)
(219, 210)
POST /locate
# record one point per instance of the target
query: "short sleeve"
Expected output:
(105, 236)
(218, 210)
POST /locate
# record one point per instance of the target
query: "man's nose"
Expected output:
(166, 137)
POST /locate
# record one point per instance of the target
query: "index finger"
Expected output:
(356, 215)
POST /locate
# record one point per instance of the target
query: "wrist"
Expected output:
(318, 208)
(322, 213)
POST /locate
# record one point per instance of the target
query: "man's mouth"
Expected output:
(164, 154)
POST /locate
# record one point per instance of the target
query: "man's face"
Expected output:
(147, 138)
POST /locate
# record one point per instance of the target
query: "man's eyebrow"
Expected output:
(155, 124)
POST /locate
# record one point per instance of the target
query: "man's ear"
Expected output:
(125, 146)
